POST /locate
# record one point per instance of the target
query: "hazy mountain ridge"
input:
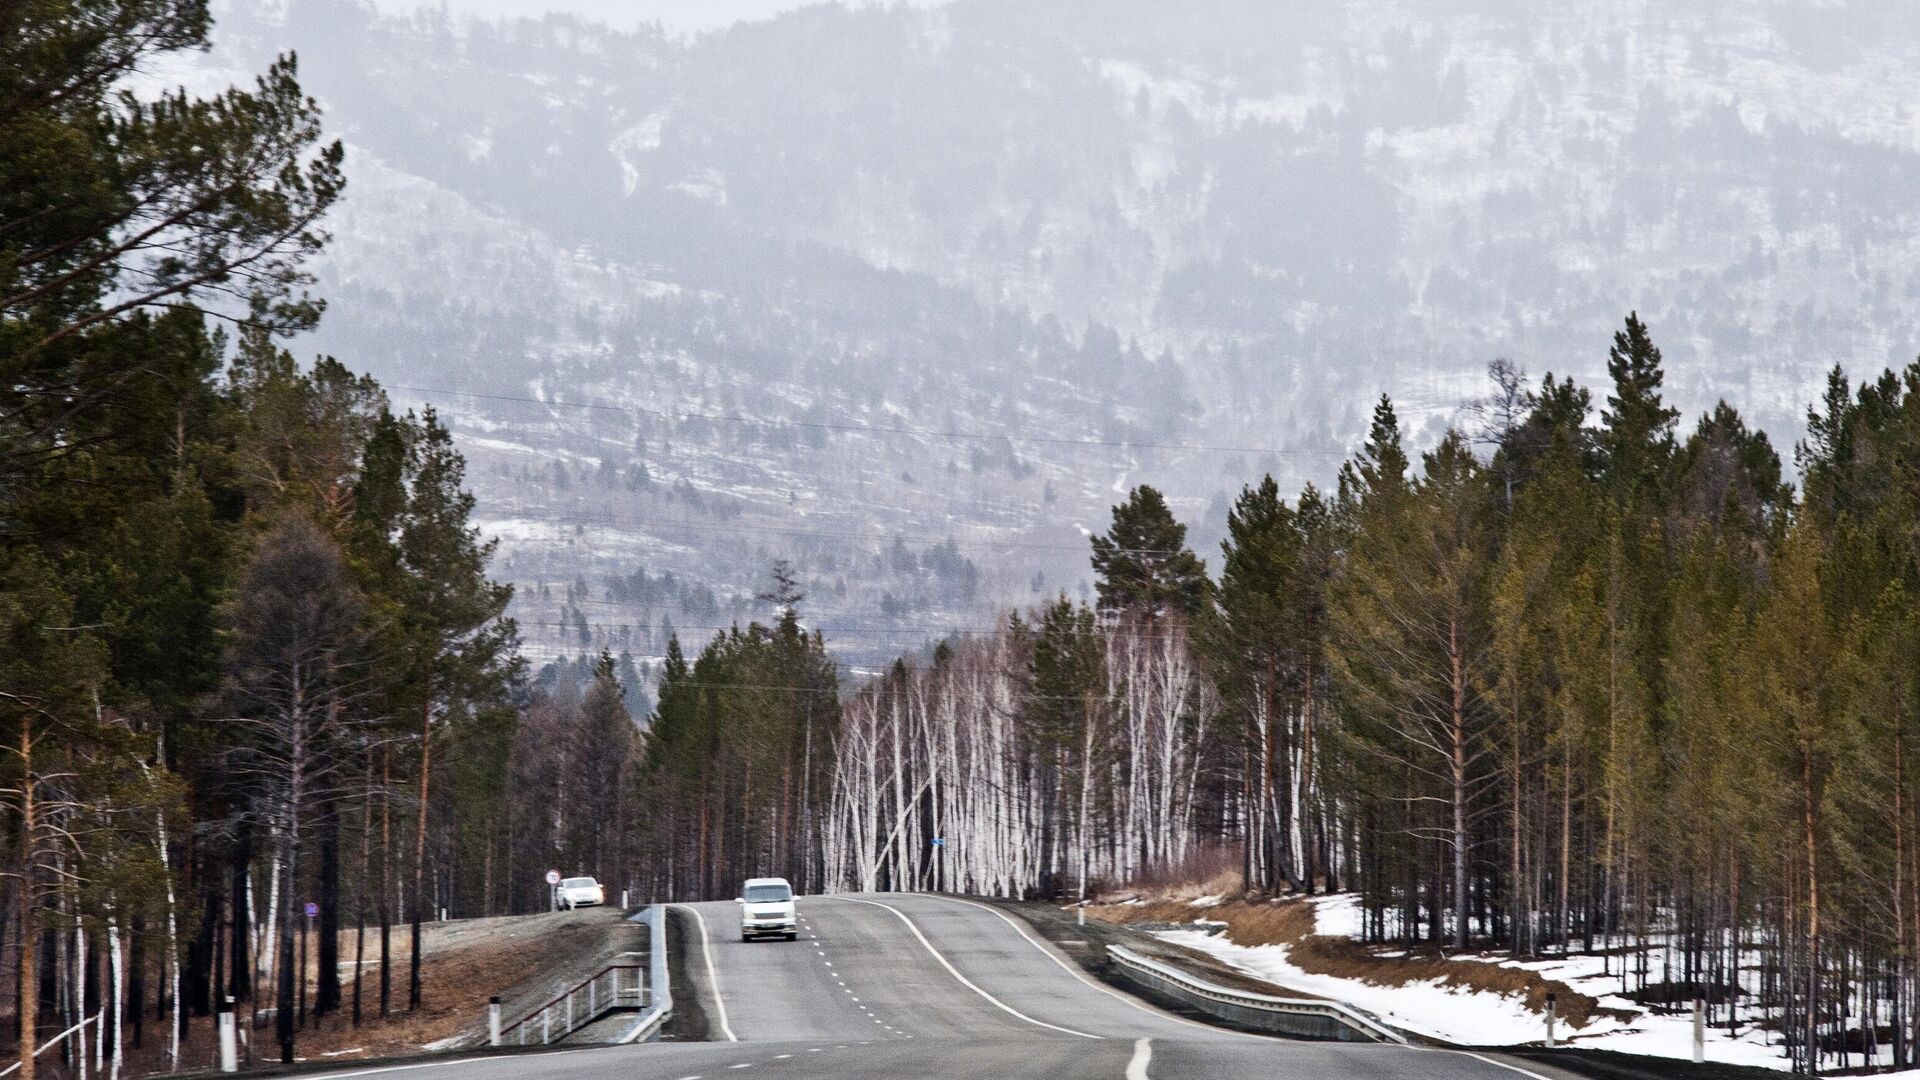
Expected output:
(1077, 221)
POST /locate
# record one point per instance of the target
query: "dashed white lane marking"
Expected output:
(713, 977)
(781, 1057)
(1142, 1057)
(964, 981)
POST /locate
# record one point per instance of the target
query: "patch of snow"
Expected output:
(1339, 916)
(1484, 1018)
(1205, 901)
(1427, 1008)
(641, 138)
(707, 186)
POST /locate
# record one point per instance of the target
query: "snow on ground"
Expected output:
(1484, 1018)
(1473, 1019)
(1651, 1033)
(1338, 915)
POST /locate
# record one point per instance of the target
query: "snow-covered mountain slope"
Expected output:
(909, 296)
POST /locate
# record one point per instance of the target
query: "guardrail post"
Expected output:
(593, 997)
(229, 1047)
(569, 1028)
(1699, 1031)
(546, 1025)
(493, 1020)
(1550, 1003)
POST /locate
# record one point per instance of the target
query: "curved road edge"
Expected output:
(1060, 933)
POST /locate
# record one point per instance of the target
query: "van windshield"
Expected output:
(768, 894)
(577, 883)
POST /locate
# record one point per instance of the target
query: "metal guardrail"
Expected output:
(660, 1005)
(1306, 1017)
(611, 989)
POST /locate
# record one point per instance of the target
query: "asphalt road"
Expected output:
(926, 987)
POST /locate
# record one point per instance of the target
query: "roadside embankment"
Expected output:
(525, 959)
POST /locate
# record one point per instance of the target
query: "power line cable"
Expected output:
(874, 538)
(873, 429)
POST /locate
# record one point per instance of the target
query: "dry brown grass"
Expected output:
(525, 960)
(1207, 872)
(1254, 921)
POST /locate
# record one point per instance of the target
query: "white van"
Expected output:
(766, 909)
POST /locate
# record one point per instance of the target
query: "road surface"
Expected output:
(892, 986)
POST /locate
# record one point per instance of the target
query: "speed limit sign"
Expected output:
(553, 877)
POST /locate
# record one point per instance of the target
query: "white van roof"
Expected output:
(752, 881)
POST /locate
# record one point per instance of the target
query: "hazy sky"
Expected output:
(677, 14)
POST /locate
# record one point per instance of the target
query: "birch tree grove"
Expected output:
(950, 752)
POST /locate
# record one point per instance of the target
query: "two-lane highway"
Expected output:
(903, 986)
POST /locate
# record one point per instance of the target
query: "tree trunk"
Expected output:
(326, 995)
(386, 883)
(1810, 823)
(29, 910)
(419, 896)
(1458, 770)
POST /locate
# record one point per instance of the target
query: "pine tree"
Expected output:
(1065, 712)
(1637, 437)
(1254, 647)
(1411, 620)
(1142, 563)
(461, 641)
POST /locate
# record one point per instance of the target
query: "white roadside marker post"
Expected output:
(1550, 1003)
(229, 1045)
(1699, 1031)
(493, 1020)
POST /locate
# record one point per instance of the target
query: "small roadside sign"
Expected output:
(313, 910)
(553, 877)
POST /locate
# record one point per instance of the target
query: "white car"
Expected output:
(766, 909)
(579, 892)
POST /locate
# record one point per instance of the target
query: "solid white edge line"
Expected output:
(713, 976)
(444, 1064)
(1483, 1059)
(1068, 967)
(1142, 1057)
(1144, 1007)
(955, 972)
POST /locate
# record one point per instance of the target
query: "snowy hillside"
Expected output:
(903, 295)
